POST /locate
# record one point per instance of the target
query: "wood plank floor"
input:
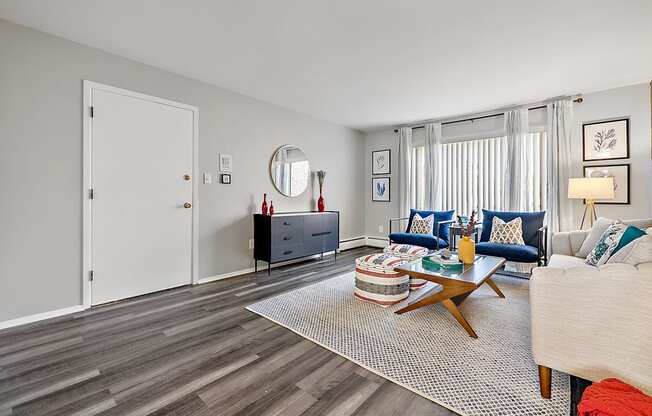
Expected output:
(193, 351)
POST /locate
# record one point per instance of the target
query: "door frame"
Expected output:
(87, 261)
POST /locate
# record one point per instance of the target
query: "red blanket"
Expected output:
(612, 397)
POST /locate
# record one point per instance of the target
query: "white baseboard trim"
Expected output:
(347, 244)
(41, 316)
(379, 242)
(353, 242)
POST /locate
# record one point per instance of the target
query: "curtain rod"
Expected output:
(576, 100)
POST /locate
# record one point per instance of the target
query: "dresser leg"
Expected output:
(255, 266)
(269, 269)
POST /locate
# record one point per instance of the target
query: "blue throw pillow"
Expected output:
(630, 234)
(532, 221)
(439, 216)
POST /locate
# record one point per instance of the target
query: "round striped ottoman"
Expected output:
(410, 253)
(377, 282)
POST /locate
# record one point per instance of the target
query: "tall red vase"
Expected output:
(320, 203)
(264, 204)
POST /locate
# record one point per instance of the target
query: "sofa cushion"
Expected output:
(439, 217)
(637, 252)
(518, 253)
(599, 227)
(561, 261)
(532, 221)
(645, 268)
(422, 240)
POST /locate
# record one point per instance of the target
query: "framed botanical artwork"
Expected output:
(381, 161)
(225, 178)
(620, 173)
(226, 163)
(605, 140)
(380, 189)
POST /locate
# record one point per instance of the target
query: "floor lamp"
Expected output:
(590, 189)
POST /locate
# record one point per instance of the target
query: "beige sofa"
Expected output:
(592, 322)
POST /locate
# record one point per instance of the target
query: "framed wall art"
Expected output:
(620, 173)
(605, 140)
(381, 161)
(380, 189)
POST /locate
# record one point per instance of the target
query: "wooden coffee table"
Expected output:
(453, 287)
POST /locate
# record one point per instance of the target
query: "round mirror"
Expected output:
(290, 170)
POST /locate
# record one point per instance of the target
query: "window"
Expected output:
(471, 174)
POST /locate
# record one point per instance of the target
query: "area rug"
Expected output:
(426, 350)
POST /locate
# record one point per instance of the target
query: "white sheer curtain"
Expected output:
(432, 160)
(405, 172)
(559, 216)
(514, 188)
(471, 174)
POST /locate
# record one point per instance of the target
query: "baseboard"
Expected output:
(379, 242)
(354, 242)
(41, 316)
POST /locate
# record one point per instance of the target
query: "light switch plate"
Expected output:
(251, 244)
(381, 228)
(208, 178)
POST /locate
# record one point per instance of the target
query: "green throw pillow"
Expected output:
(630, 234)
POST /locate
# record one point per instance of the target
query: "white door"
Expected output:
(141, 232)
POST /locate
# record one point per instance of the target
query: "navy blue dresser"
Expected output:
(289, 236)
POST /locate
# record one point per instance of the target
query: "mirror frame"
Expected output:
(271, 173)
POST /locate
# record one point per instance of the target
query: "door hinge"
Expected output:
(91, 194)
(91, 275)
(92, 113)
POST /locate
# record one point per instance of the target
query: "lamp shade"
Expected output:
(591, 188)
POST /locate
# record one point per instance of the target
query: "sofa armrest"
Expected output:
(593, 323)
(568, 242)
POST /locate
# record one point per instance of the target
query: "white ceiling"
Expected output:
(369, 63)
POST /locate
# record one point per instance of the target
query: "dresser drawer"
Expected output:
(287, 252)
(286, 223)
(287, 236)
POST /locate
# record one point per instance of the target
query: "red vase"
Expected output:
(320, 203)
(271, 208)
(264, 204)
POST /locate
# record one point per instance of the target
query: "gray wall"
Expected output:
(631, 101)
(377, 214)
(41, 164)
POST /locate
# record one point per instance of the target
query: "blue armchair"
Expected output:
(439, 237)
(535, 235)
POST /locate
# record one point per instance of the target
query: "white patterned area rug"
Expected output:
(426, 350)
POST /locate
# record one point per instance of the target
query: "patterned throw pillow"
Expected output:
(422, 225)
(606, 244)
(507, 233)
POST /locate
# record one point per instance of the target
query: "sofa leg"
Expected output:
(545, 381)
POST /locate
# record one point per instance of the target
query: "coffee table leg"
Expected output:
(452, 308)
(494, 286)
(437, 297)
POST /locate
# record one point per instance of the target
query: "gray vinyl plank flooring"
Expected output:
(193, 351)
